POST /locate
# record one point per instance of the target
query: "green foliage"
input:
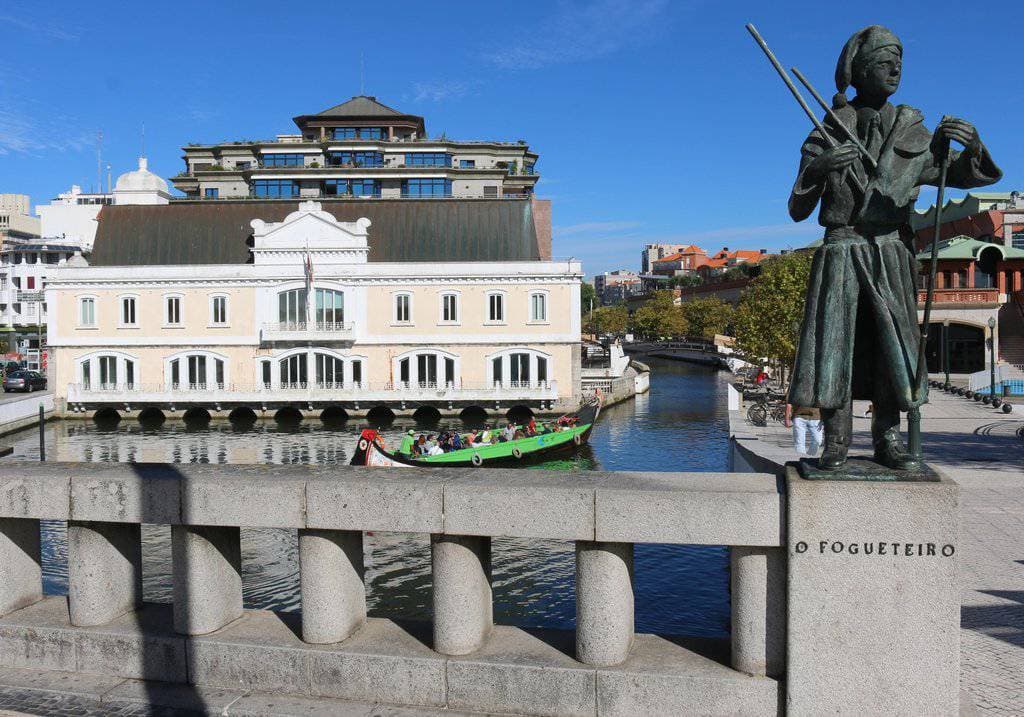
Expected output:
(685, 280)
(587, 295)
(707, 316)
(607, 320)
(767, 320)
(659, 318)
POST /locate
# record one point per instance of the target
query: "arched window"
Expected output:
(107, 371)
(427, 368)
(291, 309)
(196, 371)
(519, 368)
(293, 371)
(330, 371)
(330, 309)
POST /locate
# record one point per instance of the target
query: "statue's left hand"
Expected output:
(961, 131)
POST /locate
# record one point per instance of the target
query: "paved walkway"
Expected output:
(980, 449)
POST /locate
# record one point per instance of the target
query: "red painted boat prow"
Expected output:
(366, 453)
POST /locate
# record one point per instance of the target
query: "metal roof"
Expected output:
(360, 106)
(965, 247)
(414, 230)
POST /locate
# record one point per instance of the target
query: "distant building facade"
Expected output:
(16, 220)
(613, 287)
(980, 276)
(359, 148)
(71, 216)
(653, 252)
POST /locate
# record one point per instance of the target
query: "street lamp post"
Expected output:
(992, 357)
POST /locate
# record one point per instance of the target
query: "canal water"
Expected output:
(680, 425)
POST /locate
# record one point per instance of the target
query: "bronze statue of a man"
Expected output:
(860, 333)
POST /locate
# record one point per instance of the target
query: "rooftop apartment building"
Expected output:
(360, 148)
(16, 220)
(612, 287)
(71, 216)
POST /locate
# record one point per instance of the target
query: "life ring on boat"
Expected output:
(577, 440)
(363, 445)
(516, 453)
(476, 459)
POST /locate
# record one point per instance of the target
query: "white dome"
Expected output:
(141, 180)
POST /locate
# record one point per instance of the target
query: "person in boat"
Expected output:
(509, 433)
(471, 437)
(531, 427)
(456, 441)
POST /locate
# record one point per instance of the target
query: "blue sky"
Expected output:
(655, 120)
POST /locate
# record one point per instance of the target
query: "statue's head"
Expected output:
(872, 62)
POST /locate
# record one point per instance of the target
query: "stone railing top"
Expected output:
(685, 508)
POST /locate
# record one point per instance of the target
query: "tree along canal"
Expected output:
(681, 425)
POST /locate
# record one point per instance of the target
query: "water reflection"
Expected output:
(680, 425)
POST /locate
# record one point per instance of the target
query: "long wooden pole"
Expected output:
(850, 134)
(914, 414)
(797, 96)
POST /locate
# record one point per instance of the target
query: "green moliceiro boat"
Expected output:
(574, 432)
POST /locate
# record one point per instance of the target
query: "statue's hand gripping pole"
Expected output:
(826, 137)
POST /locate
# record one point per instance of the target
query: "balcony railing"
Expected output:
(961, 296)
(347, 197)
(364, 391)
(306, 330)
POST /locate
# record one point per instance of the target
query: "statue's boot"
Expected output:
(885, 435)
(838, 425)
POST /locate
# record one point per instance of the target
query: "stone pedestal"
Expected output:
(873, 599)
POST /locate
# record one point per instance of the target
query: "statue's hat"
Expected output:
(862, 44)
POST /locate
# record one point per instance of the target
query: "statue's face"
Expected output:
(881, 75)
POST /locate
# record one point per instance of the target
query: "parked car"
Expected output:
(27, 381)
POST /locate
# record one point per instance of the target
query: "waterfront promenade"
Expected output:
(979, 448)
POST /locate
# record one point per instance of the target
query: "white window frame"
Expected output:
(503, 321)
(81, 299)
(180, 324)
(506, 369)
(544, 294)
(93, 360)
(121, 323)
(395, 321)
(414, 378)
(211, 369)
(213, 316)
(457, 321)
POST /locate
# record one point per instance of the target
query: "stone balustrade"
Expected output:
(462, 660)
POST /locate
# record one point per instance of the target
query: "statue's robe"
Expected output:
(860, 333)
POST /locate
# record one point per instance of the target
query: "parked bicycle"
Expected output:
(765, 407)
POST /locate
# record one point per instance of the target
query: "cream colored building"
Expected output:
(301, 311)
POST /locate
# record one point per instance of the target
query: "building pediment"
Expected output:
(310, 230)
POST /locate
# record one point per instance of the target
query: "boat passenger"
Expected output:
(531, 427)
(456, 441)
(509, 433)
(471, 437)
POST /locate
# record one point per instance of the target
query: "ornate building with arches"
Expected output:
(450, 304)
